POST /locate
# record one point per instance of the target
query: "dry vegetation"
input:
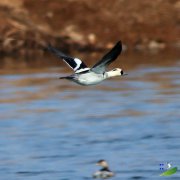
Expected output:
(28, 25)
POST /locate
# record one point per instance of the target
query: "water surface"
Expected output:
(55, 129)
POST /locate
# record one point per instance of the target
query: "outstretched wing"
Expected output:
(101, 66)
(76, 64)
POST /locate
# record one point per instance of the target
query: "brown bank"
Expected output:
(28, 25)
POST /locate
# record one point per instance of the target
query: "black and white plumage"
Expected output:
(88, 76)
(75, 63)
(105, 172)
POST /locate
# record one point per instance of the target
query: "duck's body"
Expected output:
(91, 76)
(88, 78)
(104, 172)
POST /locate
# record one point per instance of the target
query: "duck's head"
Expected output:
(102, 163)
(104, 172)
(116, 72)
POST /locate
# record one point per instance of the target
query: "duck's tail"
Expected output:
(66, 77)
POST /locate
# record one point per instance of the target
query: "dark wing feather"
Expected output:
(101, 66)
(75, 63)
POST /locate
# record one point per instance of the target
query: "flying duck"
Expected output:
(90, 76)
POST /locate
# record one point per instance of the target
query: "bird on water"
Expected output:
(84, 75)
(105, 172)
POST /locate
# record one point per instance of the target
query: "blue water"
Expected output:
(57, 130)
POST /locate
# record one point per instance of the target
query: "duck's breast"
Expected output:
(103, 174)
(90, 78)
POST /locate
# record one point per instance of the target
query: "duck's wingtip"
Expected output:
(119, 42)
(119, 45)
(48, 47)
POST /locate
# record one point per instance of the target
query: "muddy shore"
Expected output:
(78, 25)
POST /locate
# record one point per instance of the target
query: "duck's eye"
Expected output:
(114, 69)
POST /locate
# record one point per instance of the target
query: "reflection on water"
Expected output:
(55, 129)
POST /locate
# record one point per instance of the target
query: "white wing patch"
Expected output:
(81, 70)
(78, 63)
